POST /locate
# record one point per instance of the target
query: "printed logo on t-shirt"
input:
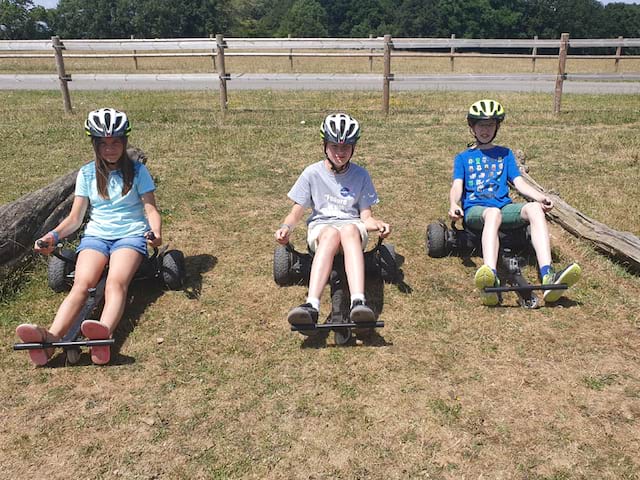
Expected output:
(345, 192)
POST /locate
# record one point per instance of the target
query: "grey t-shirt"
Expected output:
(333, 197)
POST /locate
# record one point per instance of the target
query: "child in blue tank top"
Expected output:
(119, 194)
(480, 193)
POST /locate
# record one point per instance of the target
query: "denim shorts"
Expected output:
(107, 247)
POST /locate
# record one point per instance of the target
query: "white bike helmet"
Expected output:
(107, 122)
(340, 128)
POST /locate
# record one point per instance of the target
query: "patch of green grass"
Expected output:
(448, 412)
(600, 382)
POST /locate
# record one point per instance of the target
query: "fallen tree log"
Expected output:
(25, 220)
(624, 247)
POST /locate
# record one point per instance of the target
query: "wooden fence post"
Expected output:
(387, 73)
(618, 52)
(562, 63)
(213, 54)
(371, 56)
(290, 54)
(135, 59)
(534, 52)
(222, 74)
(63, 78)
(452, 52)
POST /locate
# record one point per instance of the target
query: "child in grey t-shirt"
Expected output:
(340, 195)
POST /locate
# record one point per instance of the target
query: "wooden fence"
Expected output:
(218, 47)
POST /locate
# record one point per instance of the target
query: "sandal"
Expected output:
(93, 330)
(30, 333)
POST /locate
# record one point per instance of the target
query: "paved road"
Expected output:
(621, 84)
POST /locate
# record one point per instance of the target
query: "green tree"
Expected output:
(142, 18)
(305, 18)
(15, 19)
(264, 17)
(95, 19)
(550, 18)
(620, 19)
(416, 18)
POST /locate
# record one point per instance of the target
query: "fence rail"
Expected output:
(176, 44)
(218, 47)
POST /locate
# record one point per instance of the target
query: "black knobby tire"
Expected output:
(388, 263)
(282, 263)
(173, 269)
(58, 271)
(436, 241)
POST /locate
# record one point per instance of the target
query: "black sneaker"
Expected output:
(302, 316)
(361, 313)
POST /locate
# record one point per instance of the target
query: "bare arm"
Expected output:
(455, 195)
(372, 224)
(289, 223)
(153, 216)
(70, 224)
(529, 191)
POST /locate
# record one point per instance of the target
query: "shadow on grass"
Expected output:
(398, 281)
(140, 296)
(359, 338)
(564, 302)
(196, 266)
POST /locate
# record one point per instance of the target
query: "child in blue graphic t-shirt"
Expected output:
(119, 194)
(340, 194)
(480, 193)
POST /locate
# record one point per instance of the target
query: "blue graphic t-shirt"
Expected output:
(117, 216)
(485, 174)
(333, 196)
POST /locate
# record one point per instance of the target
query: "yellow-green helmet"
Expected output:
(486, 109)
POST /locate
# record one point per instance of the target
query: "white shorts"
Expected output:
(314, 232)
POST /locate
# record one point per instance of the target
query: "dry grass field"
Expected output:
(210, 383)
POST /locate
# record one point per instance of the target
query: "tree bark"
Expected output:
(24, 221)
(624, 247)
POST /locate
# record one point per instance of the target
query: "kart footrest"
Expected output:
(320, 326)
(526, 288)
(76, 343)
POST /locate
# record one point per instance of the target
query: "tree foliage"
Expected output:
(20, 19)
(316, 18)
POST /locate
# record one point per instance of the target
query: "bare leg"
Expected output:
(533, 213)
(123, 265)
(328, 244)
(490, 243)
(89, 267)
(353, 258)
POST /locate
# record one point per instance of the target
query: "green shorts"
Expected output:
(511, 217)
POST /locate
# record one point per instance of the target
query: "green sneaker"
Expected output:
(486, 278)
(569, 275)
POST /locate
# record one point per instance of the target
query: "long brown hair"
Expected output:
(102, 172)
